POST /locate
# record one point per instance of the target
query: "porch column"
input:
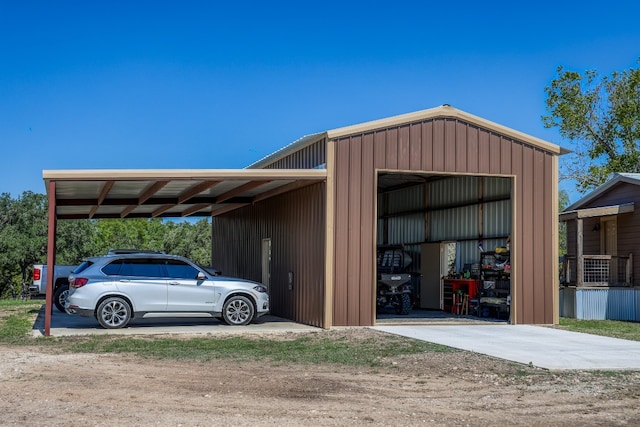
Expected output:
(579, 254)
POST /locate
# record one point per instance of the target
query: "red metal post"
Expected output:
(51, 257)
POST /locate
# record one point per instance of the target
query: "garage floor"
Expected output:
(432, 317)
(543, 347)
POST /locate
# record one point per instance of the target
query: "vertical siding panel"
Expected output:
(527, 235)
(354, 254)
(306, 158)
(438, 145)
(462, 151)
(505, 155)
(495, 153)
(404, 160)
(472, 149)
(415, 147)
(539, 266)
(340, 298)
(367, 237)
(550, 217)
(392, 148)
(483, 152)
(450, 146)
(427, 145)
(517, 249)
(380, 149)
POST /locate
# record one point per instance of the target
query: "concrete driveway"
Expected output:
(66, 325)
(543, 347)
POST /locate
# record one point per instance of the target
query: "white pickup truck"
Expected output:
(60, 283)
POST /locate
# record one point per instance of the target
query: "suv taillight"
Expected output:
(36, 274)
(79, 282)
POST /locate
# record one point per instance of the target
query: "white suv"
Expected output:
(118, 287)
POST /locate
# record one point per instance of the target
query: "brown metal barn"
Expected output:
(433, 176)
(309, 219)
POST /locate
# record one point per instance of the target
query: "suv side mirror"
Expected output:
(201, 276)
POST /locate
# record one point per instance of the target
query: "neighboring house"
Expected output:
(601, 269)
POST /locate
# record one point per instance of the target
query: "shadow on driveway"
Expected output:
(63, 324)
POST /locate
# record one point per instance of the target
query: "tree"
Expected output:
(23, 234)
(189, 240)
(129, 234)
(563, 202)
(75, 240)
(600, 115)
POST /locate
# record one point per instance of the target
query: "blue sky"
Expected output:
(197, 84)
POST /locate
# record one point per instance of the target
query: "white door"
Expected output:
(430, 282)
(266, 262)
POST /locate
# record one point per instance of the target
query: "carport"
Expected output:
(159, 193)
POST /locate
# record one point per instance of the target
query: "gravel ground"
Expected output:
(456, 388)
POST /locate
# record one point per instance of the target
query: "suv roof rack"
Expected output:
(133, 251)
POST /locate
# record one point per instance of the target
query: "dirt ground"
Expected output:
(38, 387)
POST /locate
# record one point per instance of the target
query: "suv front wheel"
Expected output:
(114, 313)
(238, 311)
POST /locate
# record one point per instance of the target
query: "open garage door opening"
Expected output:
(443, 247)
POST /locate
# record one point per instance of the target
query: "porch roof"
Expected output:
(597, 212)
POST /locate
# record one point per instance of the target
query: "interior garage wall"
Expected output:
(465, 209)
(448, 146)
(295, 222)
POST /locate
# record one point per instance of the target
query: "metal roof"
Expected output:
(161, 193)
(630, 178)
(431, 113)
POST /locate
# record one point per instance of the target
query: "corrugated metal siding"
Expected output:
(454, 224)
(452, 191)
(444, 145)
(406, 229)
(496, 219)
(407, 199)
(602, 304)
(310, 157)
(295, 222)
(568, 302)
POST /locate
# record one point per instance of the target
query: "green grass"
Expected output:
(316, 348)
(16, 320)
(609, 328)
(332, 347)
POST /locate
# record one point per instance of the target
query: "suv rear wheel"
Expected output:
(238, 311)
(60, 297)
(114, 313)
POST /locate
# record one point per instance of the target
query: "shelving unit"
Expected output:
(495, 294)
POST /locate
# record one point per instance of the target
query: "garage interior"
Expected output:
(448, 238)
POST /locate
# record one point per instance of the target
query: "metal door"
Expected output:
(431, 280)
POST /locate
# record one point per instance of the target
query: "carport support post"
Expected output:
(51, 257)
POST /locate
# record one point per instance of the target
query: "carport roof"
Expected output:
(161, 193)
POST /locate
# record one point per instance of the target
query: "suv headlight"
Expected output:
(260, 288)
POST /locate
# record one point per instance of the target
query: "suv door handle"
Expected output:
(174, 283)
